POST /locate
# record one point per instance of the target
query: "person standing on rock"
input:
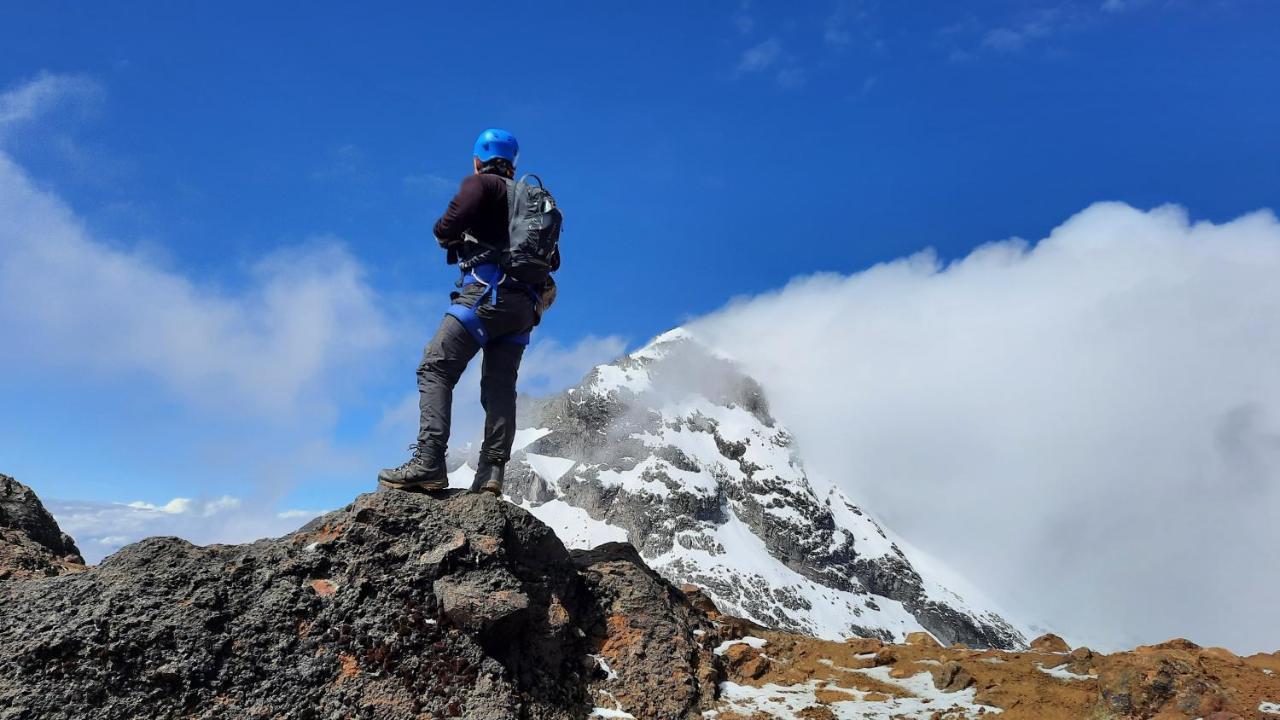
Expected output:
(503, 235)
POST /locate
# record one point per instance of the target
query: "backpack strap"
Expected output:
(512, 186)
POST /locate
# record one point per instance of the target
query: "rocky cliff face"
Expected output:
(673, 449)
(398, 606)
(31, 543)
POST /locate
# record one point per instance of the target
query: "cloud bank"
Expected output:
(1088, 427)
(307, 314)
(102, 528)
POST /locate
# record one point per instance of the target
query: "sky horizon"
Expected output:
(217, 274)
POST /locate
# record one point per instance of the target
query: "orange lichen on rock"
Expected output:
(323, 588)
(327, 533)
(347, 666)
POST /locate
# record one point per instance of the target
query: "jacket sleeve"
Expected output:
(461, 213)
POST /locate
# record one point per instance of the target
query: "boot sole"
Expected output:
(493, 489)
(426, 485)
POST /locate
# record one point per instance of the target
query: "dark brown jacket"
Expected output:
(479, 210)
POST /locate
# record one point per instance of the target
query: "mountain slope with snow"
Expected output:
(673, 449)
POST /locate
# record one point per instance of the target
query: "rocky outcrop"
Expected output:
(1050, 643)
(399, 606)
(31, 543)
(649, 641)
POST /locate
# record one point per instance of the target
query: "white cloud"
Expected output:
(768, 57)
(1039, 24)
(103, 528)
(742, 18)
(761, 57)
(1021, 30)
(1120, 6)
(299, 514)
(1003, 38)
(431, 184)
(180, 506)
(305, 317)
(791, 77)
(347, 162)
(44, 93)
(1087, 427)
(837, 30)
(173, 507)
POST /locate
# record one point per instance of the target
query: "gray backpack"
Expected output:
(534, 226)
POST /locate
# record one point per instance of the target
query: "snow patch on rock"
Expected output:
(750, 640)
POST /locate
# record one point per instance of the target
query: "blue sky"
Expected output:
(240, 163)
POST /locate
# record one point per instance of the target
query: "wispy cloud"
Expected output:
(432, 184)
(1027, 27)
(761, 57)
(836, 33)
(770, 59)
(1037, 25)
(849, 18)
(743, 19)
(344, 162)
(39, 96)
(1120, 6)
(791, 77)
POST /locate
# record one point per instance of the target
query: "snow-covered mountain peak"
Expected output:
(673, 448)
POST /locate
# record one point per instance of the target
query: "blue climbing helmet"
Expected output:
(497, 143)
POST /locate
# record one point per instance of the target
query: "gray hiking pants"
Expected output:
(445, 359)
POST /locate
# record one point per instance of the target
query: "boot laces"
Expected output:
(415, 459)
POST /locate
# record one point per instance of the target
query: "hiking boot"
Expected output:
(419, 473)
(488, 479)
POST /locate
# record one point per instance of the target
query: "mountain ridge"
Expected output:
(673, 448)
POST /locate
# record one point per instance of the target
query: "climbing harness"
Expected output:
(491, 276)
